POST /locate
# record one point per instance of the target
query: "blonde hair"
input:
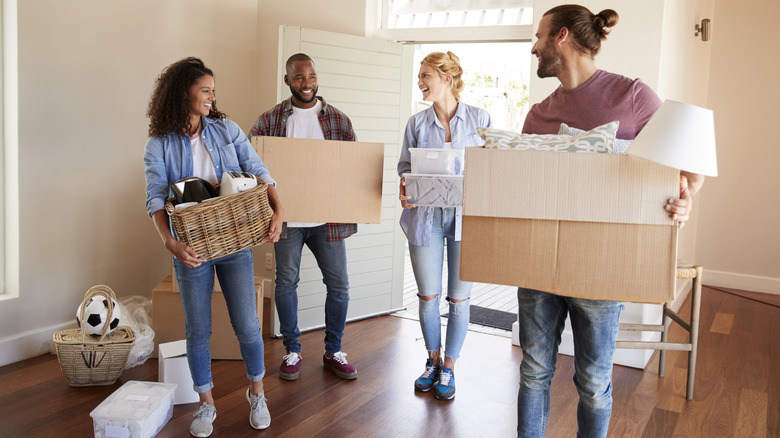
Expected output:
(447, 64)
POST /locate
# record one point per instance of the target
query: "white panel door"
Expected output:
(364, 78)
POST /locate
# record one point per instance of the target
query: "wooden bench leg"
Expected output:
(662, 352)
(695, 312)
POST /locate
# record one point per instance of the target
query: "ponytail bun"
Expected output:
(604, 21)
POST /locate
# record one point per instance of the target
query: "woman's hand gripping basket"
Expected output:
(91, 360)
(223, 225)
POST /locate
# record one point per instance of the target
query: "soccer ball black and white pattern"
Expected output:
(96, 314)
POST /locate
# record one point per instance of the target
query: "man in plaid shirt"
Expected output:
(304, 115)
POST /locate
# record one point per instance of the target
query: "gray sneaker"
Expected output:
(259, 417)
(201, 425)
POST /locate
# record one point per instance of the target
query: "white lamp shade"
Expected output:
(679, 135)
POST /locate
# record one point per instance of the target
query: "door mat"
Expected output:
(491, 318)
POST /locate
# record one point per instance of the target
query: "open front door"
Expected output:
(364, 78)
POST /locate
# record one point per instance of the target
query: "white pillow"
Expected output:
(620, 146)
(599, 139)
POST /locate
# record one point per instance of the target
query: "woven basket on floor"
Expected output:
(224, 225)
(91, 360)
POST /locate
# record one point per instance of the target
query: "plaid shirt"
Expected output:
(335, 126)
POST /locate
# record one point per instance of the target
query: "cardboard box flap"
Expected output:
(173, 349)
(325, 180)
(567, 186)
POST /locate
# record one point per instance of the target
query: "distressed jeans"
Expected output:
(237, 278)
(428, 264)
(541, 317)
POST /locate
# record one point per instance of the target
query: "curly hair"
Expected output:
(169, 108)
(587, 29)
(447, 64)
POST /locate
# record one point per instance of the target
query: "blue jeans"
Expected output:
(428, 264)
(594, 324)
(332, 260)
(236, 276)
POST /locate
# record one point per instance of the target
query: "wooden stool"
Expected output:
(691, 326)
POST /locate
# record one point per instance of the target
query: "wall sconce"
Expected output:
(703, 29)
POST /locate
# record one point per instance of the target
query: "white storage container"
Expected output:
(135, 410)
(433, 161)
(434, 190)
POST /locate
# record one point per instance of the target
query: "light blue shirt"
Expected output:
(424, 130)
(168, 158)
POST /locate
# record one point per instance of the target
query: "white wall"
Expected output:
(86, 71)
(739, 242)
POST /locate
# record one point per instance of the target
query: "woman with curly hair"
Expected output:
(189, 136)
(448, 123)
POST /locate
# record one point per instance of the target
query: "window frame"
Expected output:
(9, 147)
(465, 34)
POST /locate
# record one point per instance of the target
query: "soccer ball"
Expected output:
(96, 314)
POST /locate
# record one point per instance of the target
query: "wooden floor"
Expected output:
(737, 391)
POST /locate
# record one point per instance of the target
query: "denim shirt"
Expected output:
(168, 159)
(424, 130)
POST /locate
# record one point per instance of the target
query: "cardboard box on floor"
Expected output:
(325, 180)
(581, 225)
(168, 319)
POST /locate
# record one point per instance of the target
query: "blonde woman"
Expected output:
(448, 123)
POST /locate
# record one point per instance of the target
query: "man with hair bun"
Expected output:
(568, 38)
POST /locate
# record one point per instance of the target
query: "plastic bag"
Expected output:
(136, 313)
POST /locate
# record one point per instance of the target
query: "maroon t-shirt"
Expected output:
(605, 97)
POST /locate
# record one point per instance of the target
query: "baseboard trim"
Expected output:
(29, 344)
(751, 283)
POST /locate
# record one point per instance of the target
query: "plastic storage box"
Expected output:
(135, 410)
(433, 161)
(434, 190)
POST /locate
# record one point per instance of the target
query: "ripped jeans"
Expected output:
(428, 265)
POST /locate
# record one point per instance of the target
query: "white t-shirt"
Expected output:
(202, 164)
(304, 123)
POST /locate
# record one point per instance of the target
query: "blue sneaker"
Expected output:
(425, 382)
(445, 388)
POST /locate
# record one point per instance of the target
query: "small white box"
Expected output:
(172, 367)
(135, 410)
(434, 190)
(435, 161)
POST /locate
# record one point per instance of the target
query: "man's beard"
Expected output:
(300, 98)
(550, 62)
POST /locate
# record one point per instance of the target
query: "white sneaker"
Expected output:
(201, 425)
(259, 417)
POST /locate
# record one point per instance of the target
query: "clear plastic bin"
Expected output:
(432, 161)
(135, 410)
(434, 190)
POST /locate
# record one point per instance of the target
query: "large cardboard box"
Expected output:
(582, 225)
(168, 319)
(325, 180)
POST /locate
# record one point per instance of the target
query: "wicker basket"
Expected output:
(93, 361)
(224, 225)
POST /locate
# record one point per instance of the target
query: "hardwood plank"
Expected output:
(751, 421)
(722, 323)
(661, 424)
